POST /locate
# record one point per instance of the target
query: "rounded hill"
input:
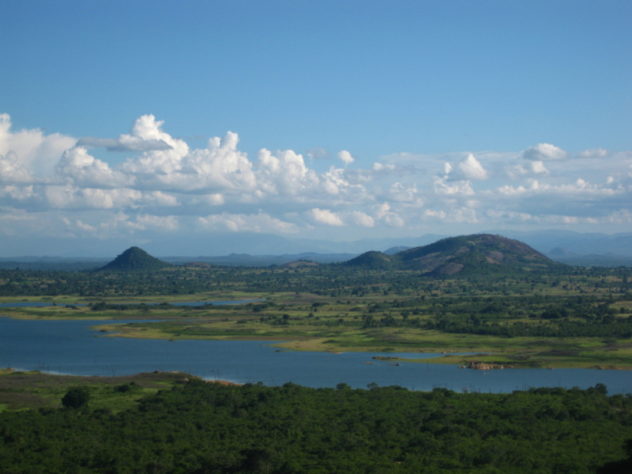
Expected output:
(474, 254)
(478, 254)
(372, 259)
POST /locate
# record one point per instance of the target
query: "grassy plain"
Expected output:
(27, 390)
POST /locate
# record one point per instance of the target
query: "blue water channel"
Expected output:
(73, 347)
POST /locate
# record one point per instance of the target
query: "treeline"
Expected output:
(617, 328)
(472, 324)
(325, 280)
(201, 427)
(510, 316)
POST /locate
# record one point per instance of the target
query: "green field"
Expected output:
(28, 390)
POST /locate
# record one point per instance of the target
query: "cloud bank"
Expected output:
(69, 187)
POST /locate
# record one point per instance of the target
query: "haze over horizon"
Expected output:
(173, 126)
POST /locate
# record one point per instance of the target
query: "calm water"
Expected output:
(71, 347)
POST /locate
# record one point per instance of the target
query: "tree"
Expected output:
(76, 397)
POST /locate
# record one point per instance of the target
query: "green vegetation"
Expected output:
(483, 295)
(76, 397)
(508, 304)
(202, 427)
(27, 390)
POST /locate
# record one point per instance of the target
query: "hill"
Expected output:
(372, 259)
(466, 255)
(134, 259)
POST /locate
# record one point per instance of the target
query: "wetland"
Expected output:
(568, 318)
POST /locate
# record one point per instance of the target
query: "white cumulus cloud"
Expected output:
(325, 216)
(12, 171)
(544, 152)
(51, 180)
(219, 167)
(284, 173)
(362, 219)
(29, 154)
(471, 168)
(537, 167)
(345, 157)
(444, 187)
(71, 197)
(77, 166)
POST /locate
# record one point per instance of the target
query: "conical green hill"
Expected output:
(134, 259)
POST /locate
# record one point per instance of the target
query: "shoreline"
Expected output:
(445, 355)
(9, 371)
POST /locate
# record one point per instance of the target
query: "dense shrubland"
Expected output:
(201, 427)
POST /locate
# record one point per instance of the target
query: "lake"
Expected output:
(72, 347)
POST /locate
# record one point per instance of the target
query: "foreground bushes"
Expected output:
(201, 427)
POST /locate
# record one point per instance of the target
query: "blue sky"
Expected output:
(346, 119)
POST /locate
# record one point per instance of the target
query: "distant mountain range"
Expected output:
(246, 260)
(263, 250)
(464, 255)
